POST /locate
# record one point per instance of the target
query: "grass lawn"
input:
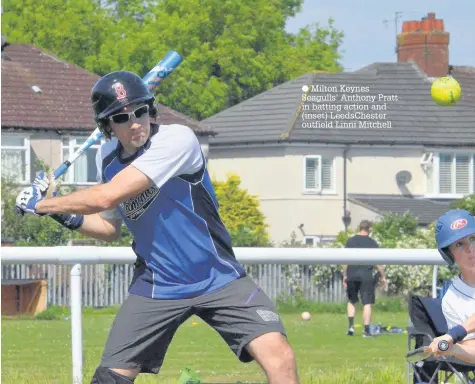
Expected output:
(39, 351)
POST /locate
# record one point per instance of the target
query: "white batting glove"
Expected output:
(46, 184)
(27, 200)
(42, 188)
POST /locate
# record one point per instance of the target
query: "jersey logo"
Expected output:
(267, 315)
(120, 90)
(136, 206)
(458, 224)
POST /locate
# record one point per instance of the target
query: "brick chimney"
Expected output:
(426, 44)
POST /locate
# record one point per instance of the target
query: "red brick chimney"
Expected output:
(425, 43)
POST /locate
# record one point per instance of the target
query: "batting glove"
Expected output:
(43, 187)
(46, 184)
(27, 200)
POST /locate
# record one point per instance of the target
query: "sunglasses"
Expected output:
(124, 117)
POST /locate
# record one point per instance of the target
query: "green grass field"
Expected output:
(39, 351)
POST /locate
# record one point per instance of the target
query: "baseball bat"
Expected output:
(152, 79)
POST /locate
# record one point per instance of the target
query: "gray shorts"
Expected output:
(144, 327)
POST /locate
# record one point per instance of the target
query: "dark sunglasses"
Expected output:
(124, 117)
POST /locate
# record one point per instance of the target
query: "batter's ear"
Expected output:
(153, 111)
(105, 128)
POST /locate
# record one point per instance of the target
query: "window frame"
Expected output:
(436, 175)
(26, 147)
(321, 190)
(315, 240)
(68, 178)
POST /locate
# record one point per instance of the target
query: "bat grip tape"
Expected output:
(61, 169)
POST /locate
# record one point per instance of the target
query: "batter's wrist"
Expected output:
(457, 333)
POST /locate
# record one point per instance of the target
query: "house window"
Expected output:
(319, 174)
(83, 170)
(455, 174)
(311, 241)
(16, 157)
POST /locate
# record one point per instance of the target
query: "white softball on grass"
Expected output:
(306, 316)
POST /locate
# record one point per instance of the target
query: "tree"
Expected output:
(232, 49)
(468, 203)
(236, 49)
(394, 227)
(240, 213)
(72, 30)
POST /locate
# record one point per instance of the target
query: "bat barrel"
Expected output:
(166, 66)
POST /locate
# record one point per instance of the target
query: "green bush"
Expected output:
(54, 312)
(467, 203)
(241, 214)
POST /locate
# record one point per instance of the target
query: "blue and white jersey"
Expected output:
(177, 230)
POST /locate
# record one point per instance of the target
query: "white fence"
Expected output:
(105, 285)
(85, 256)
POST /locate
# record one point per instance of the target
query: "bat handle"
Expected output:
(61, 170)
(18, 211)
(443, 345)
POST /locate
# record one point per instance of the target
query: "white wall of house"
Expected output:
(374, 170)
(280, 178)
(359, 213)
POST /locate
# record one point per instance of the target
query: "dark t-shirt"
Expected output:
(360, 272)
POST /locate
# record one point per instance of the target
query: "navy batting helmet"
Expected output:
(451, 227)
(116, 90)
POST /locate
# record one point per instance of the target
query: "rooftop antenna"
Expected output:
(397, 17)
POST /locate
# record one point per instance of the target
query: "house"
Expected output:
(326, 150)
(47, 114)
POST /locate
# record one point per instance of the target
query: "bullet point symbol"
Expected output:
(305, 88)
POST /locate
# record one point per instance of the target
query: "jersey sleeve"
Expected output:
(453, 318)
(174, 151)
(450, 315)
(110, 214)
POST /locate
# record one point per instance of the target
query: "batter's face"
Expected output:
(464, 253)
(131, 126)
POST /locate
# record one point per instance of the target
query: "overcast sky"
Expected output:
(367, 38)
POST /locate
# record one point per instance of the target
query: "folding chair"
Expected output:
(428, 322)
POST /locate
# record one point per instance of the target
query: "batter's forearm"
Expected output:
(85, 202)
(465, 351)
(98, 228)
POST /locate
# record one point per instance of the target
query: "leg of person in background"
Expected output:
(367, 298)
(352, 288)
(350, 309)
(367, 320)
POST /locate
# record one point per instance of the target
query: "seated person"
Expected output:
(455, 235)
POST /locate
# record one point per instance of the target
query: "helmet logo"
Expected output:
(120, 90)
(439, 227)
(458, 224)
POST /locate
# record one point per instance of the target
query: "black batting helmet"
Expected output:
(116, 90)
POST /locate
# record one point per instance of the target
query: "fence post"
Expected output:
(76, 322)
(434, 281)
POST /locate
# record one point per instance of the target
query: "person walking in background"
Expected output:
(359, 279)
